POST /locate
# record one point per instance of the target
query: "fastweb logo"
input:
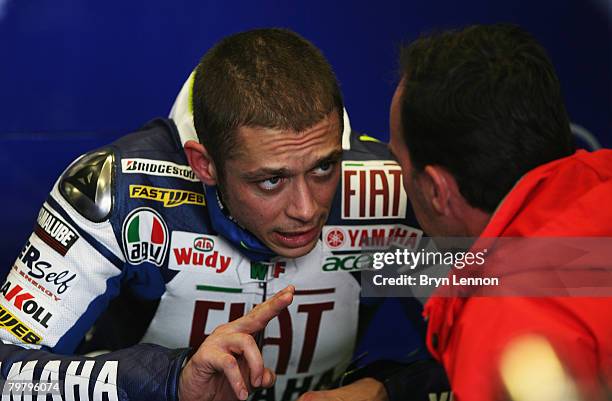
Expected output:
(145, 237)
(169, 197)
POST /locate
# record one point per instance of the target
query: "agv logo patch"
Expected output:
(145, 237)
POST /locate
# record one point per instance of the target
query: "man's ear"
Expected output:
(201, 163)
(438, 188)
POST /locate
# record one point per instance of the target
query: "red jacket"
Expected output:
(571, 197)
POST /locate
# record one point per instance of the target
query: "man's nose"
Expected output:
(303, 205)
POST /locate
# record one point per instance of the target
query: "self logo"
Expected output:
(43, 270)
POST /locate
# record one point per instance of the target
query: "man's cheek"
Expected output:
(328, 196)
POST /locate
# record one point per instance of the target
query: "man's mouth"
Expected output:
(297, 239)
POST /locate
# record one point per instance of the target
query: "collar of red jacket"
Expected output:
(569, 197)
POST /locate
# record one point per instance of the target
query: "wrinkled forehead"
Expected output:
(286, 149)
(324, 136)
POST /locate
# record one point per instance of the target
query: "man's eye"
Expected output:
(324, 168)
(270, 184)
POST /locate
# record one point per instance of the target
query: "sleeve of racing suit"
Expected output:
(63, 279)
(140, 373)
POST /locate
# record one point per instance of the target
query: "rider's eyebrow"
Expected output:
(267, 172)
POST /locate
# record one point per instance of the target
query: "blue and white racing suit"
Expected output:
(132, 216)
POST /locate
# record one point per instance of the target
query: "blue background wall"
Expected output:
(77, 74)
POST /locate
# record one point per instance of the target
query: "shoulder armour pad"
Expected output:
(88, 185)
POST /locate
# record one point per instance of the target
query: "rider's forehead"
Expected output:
(275, 149)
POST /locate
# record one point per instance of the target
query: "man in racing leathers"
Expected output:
(260, 123)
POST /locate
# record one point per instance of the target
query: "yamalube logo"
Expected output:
(145, 237)
(54, 231)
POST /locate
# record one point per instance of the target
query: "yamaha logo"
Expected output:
(335, 238)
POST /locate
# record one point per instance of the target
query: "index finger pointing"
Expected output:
(259, 317)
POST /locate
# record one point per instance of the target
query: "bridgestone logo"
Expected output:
(158, 168)
(54, 232)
